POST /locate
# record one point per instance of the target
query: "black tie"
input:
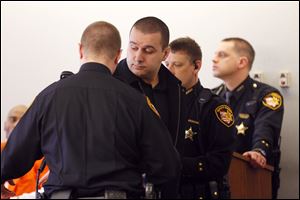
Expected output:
(228, 95)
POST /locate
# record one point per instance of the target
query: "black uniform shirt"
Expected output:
(258, 111)
(158, 96)
(166, 97)
(208, 137)
(96, 133)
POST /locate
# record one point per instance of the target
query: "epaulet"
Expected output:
(205, 95)
(269, 96)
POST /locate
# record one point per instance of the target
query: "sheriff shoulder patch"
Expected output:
(225, 115)
(272, 100)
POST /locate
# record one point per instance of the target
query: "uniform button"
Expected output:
(216, 193)
(200, 169)
(200, 197)
(263, 141)
(200, 164)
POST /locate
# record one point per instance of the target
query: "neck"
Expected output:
(101, 61)
(234, 81)
(192, 84)
(153, 82)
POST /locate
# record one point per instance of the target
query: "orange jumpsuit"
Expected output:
(26, 183)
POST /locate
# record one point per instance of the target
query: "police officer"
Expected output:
(144, 71)
(97, 134)
(206, 145)
(257, 107)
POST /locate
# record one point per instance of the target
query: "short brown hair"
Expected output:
(242, 47)
(187, 45)
(101, 38)
(154, 25)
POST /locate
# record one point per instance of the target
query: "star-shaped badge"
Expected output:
(241, 129)
(189, 134)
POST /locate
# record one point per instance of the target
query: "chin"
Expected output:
(215, 74)
(137, 72)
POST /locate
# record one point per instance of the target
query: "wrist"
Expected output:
(261, 151)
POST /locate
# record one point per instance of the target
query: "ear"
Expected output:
(80, 50)
(118, 56)
(243, 62)
(198, 64)
(166, 52)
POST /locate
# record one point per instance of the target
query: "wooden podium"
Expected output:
(247, 182)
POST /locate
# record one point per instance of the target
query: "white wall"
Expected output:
(40, 39)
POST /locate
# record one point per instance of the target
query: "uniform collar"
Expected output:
(125, 74)
(194, 90)
(93, 66)
(238, 91)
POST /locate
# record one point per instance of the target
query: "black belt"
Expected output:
(107, 194)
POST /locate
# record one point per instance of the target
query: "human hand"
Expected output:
(43, 179)
(5, 193)
(11, 182)
(256, 159)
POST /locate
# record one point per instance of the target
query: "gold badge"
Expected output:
(241, 129)
(189, 134)
(244, 115)
(152, 107)
(272, 100)
(224, 114)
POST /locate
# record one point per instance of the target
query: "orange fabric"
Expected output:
(26, 183)
(2, 145)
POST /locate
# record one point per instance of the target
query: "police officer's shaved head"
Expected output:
(101, 38)
(154, 25)
(242, 47)
(13, 117)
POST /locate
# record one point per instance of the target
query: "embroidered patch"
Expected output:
(152, 107)
(225, 115)
(272, 100)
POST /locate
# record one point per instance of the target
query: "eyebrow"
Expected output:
(217, 52)
(145, 47)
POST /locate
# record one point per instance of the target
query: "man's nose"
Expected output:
(139, 56)
(214, 59)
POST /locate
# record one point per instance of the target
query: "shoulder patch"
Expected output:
(225, 115)
(272, 100)
(152, 107)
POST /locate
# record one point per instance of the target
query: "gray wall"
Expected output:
(40, 39)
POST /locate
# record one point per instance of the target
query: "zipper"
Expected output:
(178, 122)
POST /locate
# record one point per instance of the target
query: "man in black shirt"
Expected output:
(97, 134)
(208, 140)
(144, 71)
